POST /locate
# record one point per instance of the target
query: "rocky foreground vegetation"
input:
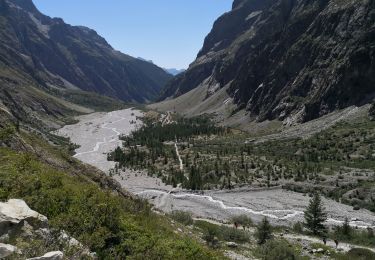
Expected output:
(26, 233)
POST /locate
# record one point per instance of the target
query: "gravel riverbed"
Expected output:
(98, 133)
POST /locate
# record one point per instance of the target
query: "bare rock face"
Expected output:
(289, 59)
(15, 212)
(7, 250)
(56, 255)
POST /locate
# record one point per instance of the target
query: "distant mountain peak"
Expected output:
(174, 71)
(57, 54)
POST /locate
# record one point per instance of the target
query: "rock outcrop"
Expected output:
(55, 255)
(7, 250)
(290, 60)
(21, 226)
(15, 213)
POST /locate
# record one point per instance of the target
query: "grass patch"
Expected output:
(223, 233)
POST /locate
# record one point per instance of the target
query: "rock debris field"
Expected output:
(98, 134)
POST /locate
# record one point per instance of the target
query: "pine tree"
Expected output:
(346, 228)
(264, 231)
(315, 215)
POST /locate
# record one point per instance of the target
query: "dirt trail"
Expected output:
(344, 247)
(179, 157)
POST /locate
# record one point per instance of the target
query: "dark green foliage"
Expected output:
(347, 234)
(242, 220)
(146, 147)
(209, 235)
(372, 111)
(315, 215)
(195, 179)
(224, 233)
(360, 254)
(153, 134)
(6, 133)
(182, 217)
(298, 227)
(277, 250)
(346, 229)
(264, 231)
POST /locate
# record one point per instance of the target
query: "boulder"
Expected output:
(56, 255)
(7, 250)
(231, 245)
(69, 240)
(15, 212)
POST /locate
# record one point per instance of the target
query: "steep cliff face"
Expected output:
(56, 54)
(292, 60)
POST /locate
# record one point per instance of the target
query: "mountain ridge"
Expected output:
(289, 60)
(60, 55)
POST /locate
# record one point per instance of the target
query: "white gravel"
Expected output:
(98, 134)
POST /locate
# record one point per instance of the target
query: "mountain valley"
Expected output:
(264, 148)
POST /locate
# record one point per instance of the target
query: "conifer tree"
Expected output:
(315, 215)
(346, 228)
(264, 231)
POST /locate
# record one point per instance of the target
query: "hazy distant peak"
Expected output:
(175, 72)
(142, 59)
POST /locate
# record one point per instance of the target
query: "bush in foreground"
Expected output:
(182, 217)
(277, 250)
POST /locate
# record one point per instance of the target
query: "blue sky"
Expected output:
(169, 32)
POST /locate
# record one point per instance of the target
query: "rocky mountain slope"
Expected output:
(57, 55)
(291, 60)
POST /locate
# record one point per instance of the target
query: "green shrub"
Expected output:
(182, 217)
(277, 250)
(242, 220)
(6, 133)
(372, 111)
(359, 254)
(264, 231)
(223, 233)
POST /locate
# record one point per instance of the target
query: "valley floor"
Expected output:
(98, 133)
